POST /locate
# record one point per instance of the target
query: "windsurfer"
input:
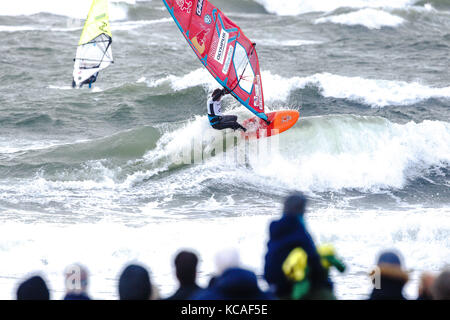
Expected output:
(216, 119)
(89, 81)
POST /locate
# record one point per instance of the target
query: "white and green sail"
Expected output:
(94, 49)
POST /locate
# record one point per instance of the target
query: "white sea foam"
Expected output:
(373, 92)
(369, 18)
(330, 153)
(192, 79)
(60, 87)
(107, 246)
(286, 43)
(9, 145)
(296, 7)
(350, 152)
(75, 9)
(130, 25)
(117, 26)
(37, 28)
(17, 28)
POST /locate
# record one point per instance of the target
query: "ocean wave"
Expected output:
(130, 25)
(372, 92)
(17, 28)
(320, 154)
(286, 43)
(74, 9)
(117, 26)
(130, 144)
(332, 153)
(192, 79)
(296, 7)
(441, 4)
(60, 87)
(369, 18)
(35, 28)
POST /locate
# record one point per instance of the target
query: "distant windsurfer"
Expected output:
(216, 119)
(89, 81)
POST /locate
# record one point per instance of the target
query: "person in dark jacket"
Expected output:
(388, 277)
(134, 284)
(186, 271)
(33, 288)
(286, 234)
(234, 284)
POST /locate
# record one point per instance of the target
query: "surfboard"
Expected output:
(94, 48)
(280, 121)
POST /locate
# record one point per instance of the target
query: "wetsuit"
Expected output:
(219, 121)
(89, 81)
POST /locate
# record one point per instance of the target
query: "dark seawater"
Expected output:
(89, 171)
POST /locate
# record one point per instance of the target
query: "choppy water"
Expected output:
(92, 176)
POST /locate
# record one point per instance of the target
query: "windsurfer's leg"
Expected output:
(228, 122)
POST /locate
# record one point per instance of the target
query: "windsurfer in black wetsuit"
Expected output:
(216, 119)
(89, 81)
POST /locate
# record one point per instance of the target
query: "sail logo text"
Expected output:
(220, 52)
(199, 7)
(258, 100)
(226, 66)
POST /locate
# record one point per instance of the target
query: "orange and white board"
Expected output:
(280, 121)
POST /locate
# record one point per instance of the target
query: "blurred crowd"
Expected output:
(294, 268)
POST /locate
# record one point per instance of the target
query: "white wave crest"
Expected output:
(296, 7)
(192, 79)
(286, 43)
(17, 28)
(373, 92)
(370, 18)
(75, 9)
(130, 25)
(320, 154)
(351, 152)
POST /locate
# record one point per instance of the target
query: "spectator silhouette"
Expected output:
(134, 284)
(287, 234)
(186, 272)
(33, 288)
(232, 282)
(389, 277)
